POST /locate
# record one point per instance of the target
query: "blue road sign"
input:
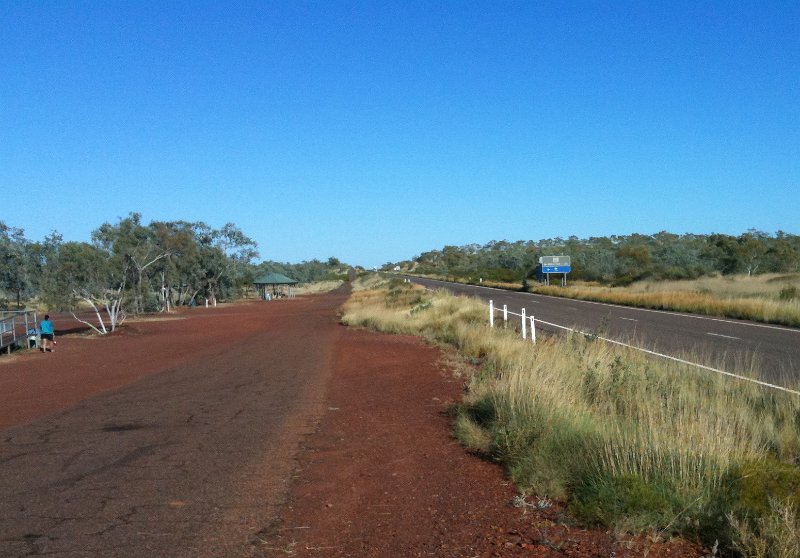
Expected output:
(556, 268)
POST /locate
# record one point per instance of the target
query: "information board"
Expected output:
(555, 264)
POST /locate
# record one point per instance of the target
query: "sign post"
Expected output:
(556, 264)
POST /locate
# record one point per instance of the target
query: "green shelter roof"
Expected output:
(274, 279)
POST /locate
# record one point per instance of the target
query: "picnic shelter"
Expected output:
(271, 285)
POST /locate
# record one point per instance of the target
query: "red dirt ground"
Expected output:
(381, 476)
(33, 384)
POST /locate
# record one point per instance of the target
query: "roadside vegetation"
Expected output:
(306, 272)
(318, 287)
(753, 276)
(630, 443)
(130, 268)
(770, 298)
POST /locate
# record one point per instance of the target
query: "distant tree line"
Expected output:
(307, 271)
(619, 260)
(127, 266)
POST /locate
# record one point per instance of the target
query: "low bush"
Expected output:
(789, 293)
(628, 501)
(755, 484)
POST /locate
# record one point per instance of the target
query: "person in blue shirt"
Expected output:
(46, 327)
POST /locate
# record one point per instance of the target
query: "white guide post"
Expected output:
(505, 315)
(491, 313)
(533, 330)
(524, 325)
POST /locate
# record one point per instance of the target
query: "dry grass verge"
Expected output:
(628, 442)
(768, 298)
(747, 298)
(318, 288)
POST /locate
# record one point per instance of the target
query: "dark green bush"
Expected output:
(623, 281)
(625, 500)
(753, 484)
(482, 412)
(789, 293)
(402, 294)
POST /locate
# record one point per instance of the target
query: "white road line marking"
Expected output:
(628, 319)
(681, 314)
(720, 335)
(676, 359)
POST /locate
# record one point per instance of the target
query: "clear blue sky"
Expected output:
(373, 131)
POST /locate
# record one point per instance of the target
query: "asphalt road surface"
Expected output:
(191, 460)
(772, 352)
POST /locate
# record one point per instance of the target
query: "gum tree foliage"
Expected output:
(171, 263)
(225, 256)
(15, 277)
(128, 266)
(305, 272)
(133, 250)
(45, 261)
(92, 276)
(620, 259)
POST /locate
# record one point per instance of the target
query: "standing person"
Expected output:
(46, 327)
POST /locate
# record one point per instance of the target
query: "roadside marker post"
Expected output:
(524, 325)
(660, 355)
(505, 316)
(491, 313)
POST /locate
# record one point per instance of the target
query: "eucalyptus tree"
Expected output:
(133, 248)
(45, 261)
(93, 276)
(15, 273)
(225, 254)
(180, 270)
(783, 255)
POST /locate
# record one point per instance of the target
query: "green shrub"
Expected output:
(471, 434)
(623, 281)
(789, 293)
(626, 500)
(401, 295)
(755, 483)
(539, 464)
(482, 412)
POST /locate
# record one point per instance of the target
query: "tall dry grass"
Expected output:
(764, 298)
(318, 287)
(769, 298)
(627, 441)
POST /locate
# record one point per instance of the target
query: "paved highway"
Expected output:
(773, 352)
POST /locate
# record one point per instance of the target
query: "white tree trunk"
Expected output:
(112, 302)
(102, 330)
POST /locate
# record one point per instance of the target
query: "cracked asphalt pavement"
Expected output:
(194, 459)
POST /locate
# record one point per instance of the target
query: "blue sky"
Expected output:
(374, 131)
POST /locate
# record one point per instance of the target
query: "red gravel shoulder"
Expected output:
(383, 476)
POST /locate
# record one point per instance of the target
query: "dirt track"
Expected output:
(181, 438)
